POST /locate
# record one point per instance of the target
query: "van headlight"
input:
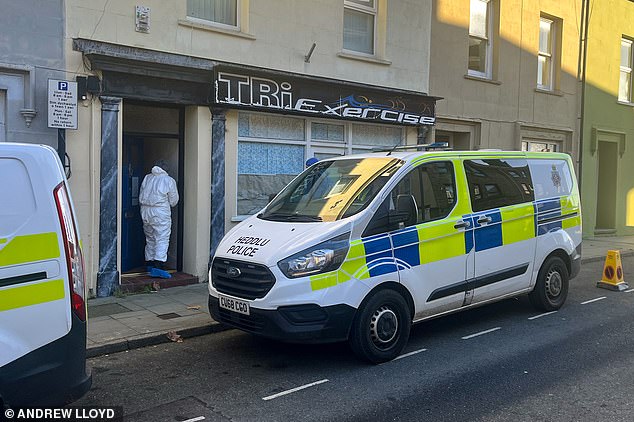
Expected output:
(321, 258)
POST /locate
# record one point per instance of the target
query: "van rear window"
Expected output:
(496, 183)
(551, 178)
(18, 201)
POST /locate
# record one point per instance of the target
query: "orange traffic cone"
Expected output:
(613, 273)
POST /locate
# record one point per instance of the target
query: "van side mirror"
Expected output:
(405, 212)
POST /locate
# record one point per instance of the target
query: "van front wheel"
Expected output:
(380, 329)
(551, 288)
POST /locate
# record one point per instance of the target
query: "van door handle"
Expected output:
(461, 225)
(484, 219)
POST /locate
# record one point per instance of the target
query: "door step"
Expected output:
(604, 232)
(140, 282)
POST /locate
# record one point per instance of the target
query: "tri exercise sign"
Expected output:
(320, 97)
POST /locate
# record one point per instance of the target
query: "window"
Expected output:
(432, 189)
(224, 12)
(480, 28)
(273, 149)
(496, 183)
(546, 54)
(270, 155)
(327, 132)
(540, 146)
(551, 178)
(359, 25)
(625, 80)
(374, 136)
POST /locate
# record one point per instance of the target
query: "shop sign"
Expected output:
(315, 97)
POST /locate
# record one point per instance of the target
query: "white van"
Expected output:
(359, 247)
(42, 286)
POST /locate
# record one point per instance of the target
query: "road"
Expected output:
(502, 362)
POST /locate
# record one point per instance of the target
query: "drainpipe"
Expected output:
(583, 54)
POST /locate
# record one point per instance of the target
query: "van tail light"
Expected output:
(74, 257)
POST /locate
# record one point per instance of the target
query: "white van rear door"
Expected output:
(34, 288)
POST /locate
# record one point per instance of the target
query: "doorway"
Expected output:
(458, 141)
(606, 187)
(151, 133)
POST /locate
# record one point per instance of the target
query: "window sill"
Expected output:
(239, 218)
(213, 28)
(481, 79)
(549, 92)
(625, 103)
(363, 58)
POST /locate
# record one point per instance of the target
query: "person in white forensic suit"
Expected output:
(157, 196)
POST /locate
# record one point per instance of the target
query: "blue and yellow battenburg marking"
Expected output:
(435, 241)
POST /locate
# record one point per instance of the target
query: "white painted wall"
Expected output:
(197, 195)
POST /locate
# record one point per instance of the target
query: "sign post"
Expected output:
(62, 111)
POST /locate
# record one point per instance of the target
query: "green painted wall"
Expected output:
(608, 126)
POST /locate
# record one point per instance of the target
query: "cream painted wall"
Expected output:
(279, 35)
(197, 195)
(497, 106)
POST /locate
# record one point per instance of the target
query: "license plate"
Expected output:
(235, 305)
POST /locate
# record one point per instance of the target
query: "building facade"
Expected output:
(31, 53)
(607, 176)
(507, 70)
(236, 95)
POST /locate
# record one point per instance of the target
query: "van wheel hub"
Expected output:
(553, 284)
(383, 326)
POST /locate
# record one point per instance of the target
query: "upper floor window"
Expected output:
(540, 146)
(625, 81)
(546, 54)
(480, 40)
(223, 12)
(359, 25)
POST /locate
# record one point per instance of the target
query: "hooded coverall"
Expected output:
(158, 194)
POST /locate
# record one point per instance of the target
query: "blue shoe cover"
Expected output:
(155, 272)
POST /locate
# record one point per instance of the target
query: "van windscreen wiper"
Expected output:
(281, 216)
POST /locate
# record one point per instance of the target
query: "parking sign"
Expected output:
(62, 104)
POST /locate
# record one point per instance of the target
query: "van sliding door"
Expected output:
(504, 225)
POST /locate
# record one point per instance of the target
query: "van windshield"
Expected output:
(332, 190)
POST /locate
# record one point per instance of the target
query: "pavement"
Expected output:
(130, 321)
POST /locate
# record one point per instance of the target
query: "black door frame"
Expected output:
(180, 136)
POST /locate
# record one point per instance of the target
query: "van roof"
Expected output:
(410, 156)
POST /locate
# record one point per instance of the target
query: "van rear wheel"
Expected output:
(551, 288)
(380, 329)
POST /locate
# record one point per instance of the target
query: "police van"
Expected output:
(360, 247)
(42, 284)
